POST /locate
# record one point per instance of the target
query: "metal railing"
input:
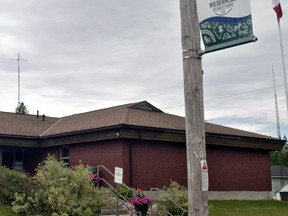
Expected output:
(122, 199)
(166, 196)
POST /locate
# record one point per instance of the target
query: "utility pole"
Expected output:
(18, 60)
(194, 108)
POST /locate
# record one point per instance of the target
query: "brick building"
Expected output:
(146, 142)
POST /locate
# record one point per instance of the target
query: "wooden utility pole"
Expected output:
(194, 108)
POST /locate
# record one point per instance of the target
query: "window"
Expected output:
(64, 154)
(12, 159)
(8, 159)
(19, 156)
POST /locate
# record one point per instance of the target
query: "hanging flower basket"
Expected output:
(140, 202)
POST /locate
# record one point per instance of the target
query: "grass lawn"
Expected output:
(226, 208)
(4, 211)
(248, 208)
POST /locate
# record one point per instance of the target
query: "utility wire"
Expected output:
(248, 93)
(243, 94)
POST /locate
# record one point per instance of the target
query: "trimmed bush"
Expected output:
(61, 191)
(125, 191)
(12, 182)
(178, 194)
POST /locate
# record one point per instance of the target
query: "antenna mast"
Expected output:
(281, 170)
(18, 60)
(276, 106)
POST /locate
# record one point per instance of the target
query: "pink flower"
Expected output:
(94, 177)
(140, 201)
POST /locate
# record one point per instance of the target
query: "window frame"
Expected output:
(64, 150)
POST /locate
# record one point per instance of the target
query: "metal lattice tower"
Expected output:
(276, 107)
(282, 181)
(18, 60)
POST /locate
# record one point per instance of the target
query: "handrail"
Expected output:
(123, 200)
(105, 170)
(166, 196)
(98, 173)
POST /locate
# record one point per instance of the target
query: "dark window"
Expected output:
(18, 155)
(8, 159)
(18, 160)
(13, 159)
(64, 154)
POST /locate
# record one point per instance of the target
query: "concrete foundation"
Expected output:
(226, 195)
(239, 195)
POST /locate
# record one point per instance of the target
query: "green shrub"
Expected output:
(178, 194)
(125, 191)
(61, 191)
(21, 203)
(11, 182)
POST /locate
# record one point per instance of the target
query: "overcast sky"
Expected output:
(92, 54)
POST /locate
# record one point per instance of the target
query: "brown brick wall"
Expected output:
(32, 157)
(155, 164)
(238, 169)
(107, 153)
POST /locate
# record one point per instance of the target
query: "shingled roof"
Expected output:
(140, 114)
(24, 125)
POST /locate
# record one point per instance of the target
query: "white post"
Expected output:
(283, 65)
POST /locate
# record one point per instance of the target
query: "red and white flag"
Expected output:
(277, 8)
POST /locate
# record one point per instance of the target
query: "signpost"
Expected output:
(118, 179)
(118, 175)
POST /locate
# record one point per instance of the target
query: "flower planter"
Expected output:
(141, 208)
(140, 202)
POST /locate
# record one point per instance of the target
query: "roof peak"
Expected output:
(144, 105)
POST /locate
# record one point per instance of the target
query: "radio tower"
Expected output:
(18, 60)
(281, 170)
(276, 106)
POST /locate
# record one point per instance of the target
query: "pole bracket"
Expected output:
(192, 53)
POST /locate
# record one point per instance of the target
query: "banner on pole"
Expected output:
(225, 23)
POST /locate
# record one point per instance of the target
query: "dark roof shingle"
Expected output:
(24, 125)
(29, 125)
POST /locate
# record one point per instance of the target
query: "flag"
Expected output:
(277, 8)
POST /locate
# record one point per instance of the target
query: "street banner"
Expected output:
(225, 23)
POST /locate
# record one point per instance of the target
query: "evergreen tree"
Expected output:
(21, 108)
(280, 157)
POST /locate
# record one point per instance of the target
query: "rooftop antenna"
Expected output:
(18, 60)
